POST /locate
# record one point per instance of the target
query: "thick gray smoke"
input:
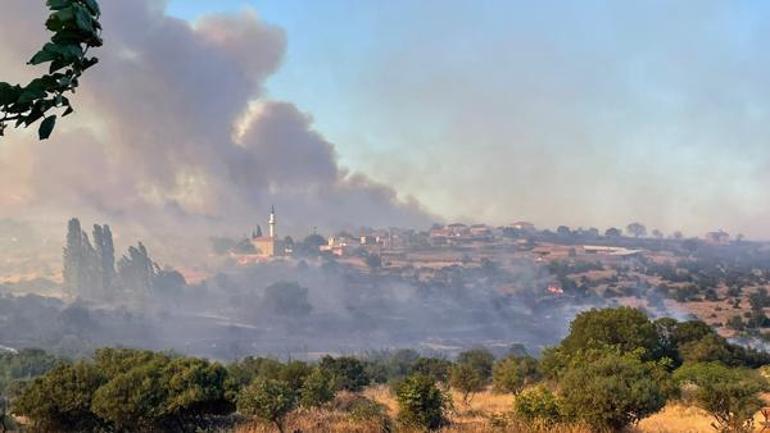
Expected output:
(174, 140)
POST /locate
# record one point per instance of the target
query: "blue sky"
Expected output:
(577, 112)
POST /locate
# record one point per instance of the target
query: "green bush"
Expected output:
(25, 365)
(730, 395)
(269, 400)
(538, 405)
(436, 368)
(421, 404)
(625, 328)
(317, 389)
(608, 390)
(512, 374)
(467, 380)
(136, 399)
(246, 370)
(479, 359)
(347, 373)
(61, 400)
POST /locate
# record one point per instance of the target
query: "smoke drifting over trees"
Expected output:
(185, 143)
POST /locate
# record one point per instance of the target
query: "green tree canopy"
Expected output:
(609, 390)
(421, 403)
(730, 395)
(61, 400)
(513, 373)
(268, 399)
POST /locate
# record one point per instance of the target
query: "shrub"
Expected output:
(421, 404)
(317, 389)
(480, 360)
(269, 400)
(347, 373)
(248, 369)
(196, 389)
(136, 399)
(609, 390)
(61, 400)
(436, 368)
(625, 328)
(286, 299)
(512, 374)
(731, 396)
(467, 380)
(294, 373)
(538, 405)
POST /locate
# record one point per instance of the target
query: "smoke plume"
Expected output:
(174, 139)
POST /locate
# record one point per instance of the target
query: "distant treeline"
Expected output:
(615, 367)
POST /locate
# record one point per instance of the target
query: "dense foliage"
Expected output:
(421, 403)
(730, 395)
(514, 373)
(614, 368)
(609, 391)
(268, 399)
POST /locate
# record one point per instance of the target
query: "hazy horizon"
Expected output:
(364, 114)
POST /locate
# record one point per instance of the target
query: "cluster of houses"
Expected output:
(267, 246)
(374, 242)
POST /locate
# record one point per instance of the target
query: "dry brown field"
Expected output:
(478, 417)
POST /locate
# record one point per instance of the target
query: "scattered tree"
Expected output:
(731, 396)
(637, 230)
(269, 400)
(538, 404)
(347, 373)
(467, 380)
(421, 403)
(317, 389)
(514, 373)
(610, 391)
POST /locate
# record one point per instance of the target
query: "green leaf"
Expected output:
(34, 115)
(29, 95)
(46, 128)
(93, 7)
(57, 65)
(87, 63)
(83, 20)
(9, 94)
(58, 4)
(65, 15)
(47, 54)
(67, 36)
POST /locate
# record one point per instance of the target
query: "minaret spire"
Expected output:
(271, 222)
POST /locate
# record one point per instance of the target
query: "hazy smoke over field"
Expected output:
(172, 136)
(303, 309)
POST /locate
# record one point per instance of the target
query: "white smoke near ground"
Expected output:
(174, 140)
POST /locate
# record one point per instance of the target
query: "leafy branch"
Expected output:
(76, 28)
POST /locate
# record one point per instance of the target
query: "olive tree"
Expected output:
(316, 390)
(730, 395)
(61, 400)
(512, 374)
(608, 390)
(347, 373)
(268, 399)
(421, 403)
(467, 380)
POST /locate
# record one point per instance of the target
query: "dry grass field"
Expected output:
(481, 416)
